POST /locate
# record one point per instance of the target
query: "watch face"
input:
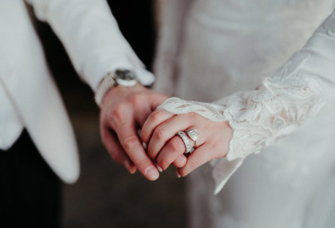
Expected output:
(126, 75)
(125, 78)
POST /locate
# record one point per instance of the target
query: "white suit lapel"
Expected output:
(33, 93)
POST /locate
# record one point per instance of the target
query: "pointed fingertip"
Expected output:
(152, 173)
(145, 146)
(159, 168)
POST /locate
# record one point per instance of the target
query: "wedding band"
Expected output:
(193, 134)
(186, 141)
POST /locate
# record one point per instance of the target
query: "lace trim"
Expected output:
(178, 106)
(276, 109)
(261, 116)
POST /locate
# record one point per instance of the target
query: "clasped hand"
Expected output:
(124, 110)
(164, 146)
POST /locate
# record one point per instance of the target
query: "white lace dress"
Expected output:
(270, 67)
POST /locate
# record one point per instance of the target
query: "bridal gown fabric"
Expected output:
(225, 46)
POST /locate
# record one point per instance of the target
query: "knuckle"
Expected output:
(130, 143)
(159, 132)
(156, 115)
(137, 100)
(176, 145)
(117, 114)
(143, 163)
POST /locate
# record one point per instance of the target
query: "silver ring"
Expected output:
(193, 134)
(186, 141)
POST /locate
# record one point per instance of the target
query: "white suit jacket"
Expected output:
(95, 45)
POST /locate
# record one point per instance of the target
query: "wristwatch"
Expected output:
(120, 77)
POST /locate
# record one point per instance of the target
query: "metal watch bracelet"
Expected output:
(121, 77)
(107, 83)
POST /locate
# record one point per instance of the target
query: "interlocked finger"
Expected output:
(164, 132)
(174, 152)
(171, 151)
(199, 157)
(156, 118)
(115, 150)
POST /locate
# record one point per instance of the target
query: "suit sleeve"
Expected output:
(91, 37)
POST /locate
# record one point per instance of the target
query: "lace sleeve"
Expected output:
(293, 94)
(275, 109)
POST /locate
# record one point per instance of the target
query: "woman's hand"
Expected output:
(159, 133)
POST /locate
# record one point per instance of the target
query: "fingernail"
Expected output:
(152, 172)
(144, 145)
(178, 175)
(159, 168)
(181, 158)
(127, 165)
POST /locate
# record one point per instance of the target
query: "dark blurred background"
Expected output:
(106, 195)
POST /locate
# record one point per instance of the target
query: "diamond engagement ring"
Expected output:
(186, 141)
(193, 134)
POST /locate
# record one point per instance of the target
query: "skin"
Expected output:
(159, 132)
(123, 111)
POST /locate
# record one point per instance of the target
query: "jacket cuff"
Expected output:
(98, 66)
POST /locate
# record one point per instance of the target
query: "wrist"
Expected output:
(121, 77)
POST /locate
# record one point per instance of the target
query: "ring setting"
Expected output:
(193, 134)
(186, 141)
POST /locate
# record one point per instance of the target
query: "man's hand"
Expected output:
(123, 111)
